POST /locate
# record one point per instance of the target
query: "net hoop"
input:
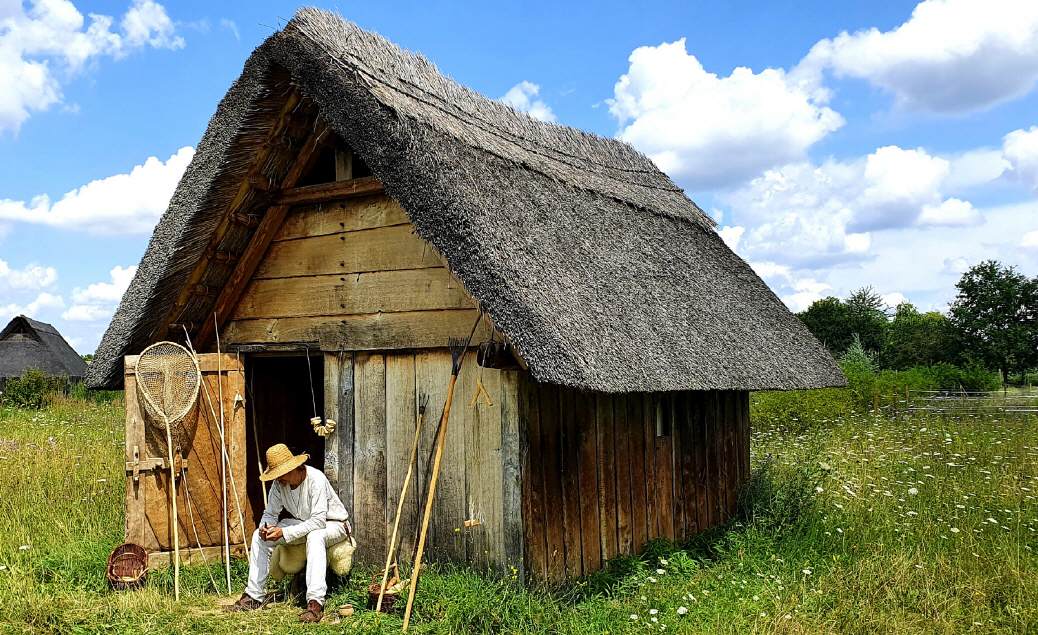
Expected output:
(170, 361)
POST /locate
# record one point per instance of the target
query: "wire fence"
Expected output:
(966, 402)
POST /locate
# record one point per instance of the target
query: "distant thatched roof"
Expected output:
(594, 263)
(26, 344)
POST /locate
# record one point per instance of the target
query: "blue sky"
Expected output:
(838, 144)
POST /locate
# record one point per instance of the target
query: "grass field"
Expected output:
(861, 524)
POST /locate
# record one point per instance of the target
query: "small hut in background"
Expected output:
(348, 209)
(26, 344)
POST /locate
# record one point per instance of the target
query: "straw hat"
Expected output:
(281, 461)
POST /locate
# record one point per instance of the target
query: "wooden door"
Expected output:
(200, 484)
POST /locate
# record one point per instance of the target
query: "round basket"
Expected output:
(127, 567)
(388, 598)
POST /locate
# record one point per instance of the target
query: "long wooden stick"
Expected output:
(400, 505)
(223, 463)
(176, 522)
(441, 434)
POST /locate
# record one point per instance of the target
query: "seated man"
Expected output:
(318, 517)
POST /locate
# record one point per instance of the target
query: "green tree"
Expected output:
(829, 320)
(917, 339)
(868, 317)
(995, 314)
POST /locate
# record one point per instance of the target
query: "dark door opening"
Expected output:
(281, 406)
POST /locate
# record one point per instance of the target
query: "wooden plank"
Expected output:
(446, 541)
(135, 490)
(342, 216)
(484, 471)
(571, 494)
(346, 432)
(587, 441)
(553, 496)
(649, 437)
(687, 469)
(369, 466)
(401, 418)
(622, 450)
(378, 249)
(514, 468)
(370, 332)
(207, 362)
(671, 415)
(534, 526)
(665, 479)
(360, 293)
(606, 477)
(731, 425)
(704, 516)
(193, 556)
(744, 415)
(639, 498)
(718, 469)
(331, 411)
(324, 192)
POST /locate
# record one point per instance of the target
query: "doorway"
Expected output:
(283, 391)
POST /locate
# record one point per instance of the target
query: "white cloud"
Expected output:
(949, 56)
(950, 212)
(231, 26)
(120, 204)
(32, 276)
(731, 236)
(43, 303)
(523, 97)
(820, 215)
(1020, 148)
(53, 33)
(894, 298)
(712, 131)
(98, 300)
(1029, 240)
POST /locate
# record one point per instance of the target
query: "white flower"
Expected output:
(955, 530)
(23, 548)
(818, 489)
(660, 572)
(663, 561)
(634, 617)
(653, 611)
(912, 491)
(682, 610)
(655, 619)
(806, 571)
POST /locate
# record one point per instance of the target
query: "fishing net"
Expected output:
(168, 378)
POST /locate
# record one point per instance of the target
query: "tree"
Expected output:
(917, 339)
(995, 314)
(868, 317)
(829, 320)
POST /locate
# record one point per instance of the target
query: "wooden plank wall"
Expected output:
(352, 274)
(605, 473)
(477, 481)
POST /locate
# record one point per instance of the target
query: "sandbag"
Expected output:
(291, 559)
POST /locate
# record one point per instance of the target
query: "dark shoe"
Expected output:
(313, 613)
(244, 603)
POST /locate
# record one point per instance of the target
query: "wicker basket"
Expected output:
(127, 567)
(389, 597)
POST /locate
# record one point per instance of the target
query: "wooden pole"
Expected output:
(223, 464)
(441, 435)
(400, 507)
(176, 523)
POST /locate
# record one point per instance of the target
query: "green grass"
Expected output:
(849, 526)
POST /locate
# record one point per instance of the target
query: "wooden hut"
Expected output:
(348, 209)
(27, 344)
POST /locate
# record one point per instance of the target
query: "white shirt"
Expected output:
(314, 502)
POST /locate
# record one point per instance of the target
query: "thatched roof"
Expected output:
(593, 262)
(27, 344)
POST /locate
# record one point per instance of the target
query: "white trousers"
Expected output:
(317, 543)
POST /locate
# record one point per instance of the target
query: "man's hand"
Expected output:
(271, 533)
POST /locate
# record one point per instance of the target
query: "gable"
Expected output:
(352, 274)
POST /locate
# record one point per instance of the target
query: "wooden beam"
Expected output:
(253, 254)
(292, 102)
(324, 192)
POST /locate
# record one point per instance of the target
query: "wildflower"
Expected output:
(663, 561)
(653, 611)
(23, 548)
(955, 530)
(655, 619)
(806, 571)
(634, 617)
(912, 491)
(682, 610)
(660, 572)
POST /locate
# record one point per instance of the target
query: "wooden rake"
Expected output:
(458, 349)
(423, 403)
